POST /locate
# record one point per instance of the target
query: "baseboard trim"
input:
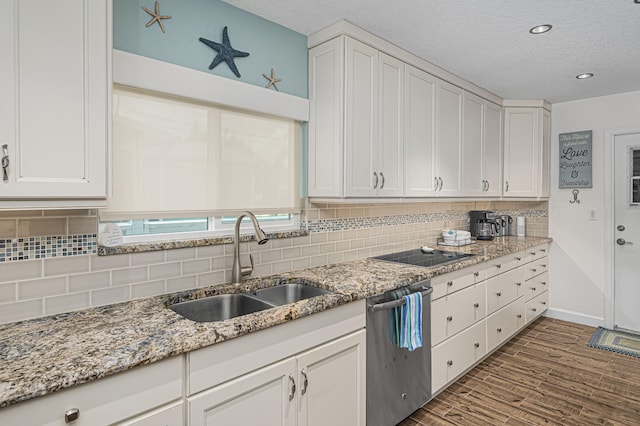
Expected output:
(576, 317)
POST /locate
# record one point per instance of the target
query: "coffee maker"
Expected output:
(483, 224)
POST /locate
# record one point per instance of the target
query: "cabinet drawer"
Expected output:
(104, 401)
(452, 314)
(504, 264)
(504, 323)
(455, 355)
(535, 253)
(165, 416)
(454, 281)
(536, 285)
(504, 289)
(536, 306)
(536, 267)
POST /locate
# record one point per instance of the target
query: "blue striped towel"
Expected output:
(406, 323)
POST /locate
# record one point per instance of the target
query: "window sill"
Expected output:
(200, 242)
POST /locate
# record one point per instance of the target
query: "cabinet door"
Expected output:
(390, 126)
(264, 397)
(473, 113)
(504, 323)
(452, 314)
(492, 153)
(331, 380)
(326, 115)
(448, 152)
(361, 118)
(544, 154)
(521, 152)
(54, 109)
(419, 132)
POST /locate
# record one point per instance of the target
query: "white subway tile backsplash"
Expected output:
(280, 267)
(109, 296)
(199, 266)
(66, 265)
(225, 262)
(211, 278)
(8, 228)
(8, 292)
(182, 283)
(301, 263)
(291, 253)
(22, 310)
(41, 288)
(90, 281)
(317, 260)
(15, 271)
(164, 270)
(128, 276)
(65, 303)
(148, 258)
(210, 251)
(327, 248)
(151, 288)
(100, 263)
(181, 254)
(271, 256)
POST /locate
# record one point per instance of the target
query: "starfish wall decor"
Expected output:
(272, 80)
(156, 17)
(226, 53)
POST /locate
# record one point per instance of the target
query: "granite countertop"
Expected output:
(47, 354)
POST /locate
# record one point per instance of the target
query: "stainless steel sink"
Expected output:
(220, 307)
(288, 293)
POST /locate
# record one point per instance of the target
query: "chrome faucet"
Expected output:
(238, 271)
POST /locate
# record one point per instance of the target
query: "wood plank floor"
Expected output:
(545, 375)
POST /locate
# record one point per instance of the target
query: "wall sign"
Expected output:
(576, 159)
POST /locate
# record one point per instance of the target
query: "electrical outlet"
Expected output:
(593, 214)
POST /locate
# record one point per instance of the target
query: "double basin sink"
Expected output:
(225, 306)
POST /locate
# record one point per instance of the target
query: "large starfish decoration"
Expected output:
(272, 80)
(226, 53)
(156, 17)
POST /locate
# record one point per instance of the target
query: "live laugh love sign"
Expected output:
(576, 159)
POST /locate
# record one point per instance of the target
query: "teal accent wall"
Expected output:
(269, 45)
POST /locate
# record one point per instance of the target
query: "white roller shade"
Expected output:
(178, 158)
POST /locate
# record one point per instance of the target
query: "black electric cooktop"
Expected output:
(418, 257)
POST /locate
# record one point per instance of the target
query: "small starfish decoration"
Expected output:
(272, 80)
(226, 53)
(156, 17)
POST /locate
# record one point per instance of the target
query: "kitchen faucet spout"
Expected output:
(238, 271)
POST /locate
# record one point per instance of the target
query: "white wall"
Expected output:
(577, 262)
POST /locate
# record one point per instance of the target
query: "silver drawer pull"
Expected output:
(498, 266)
(543, 282)
(476, 274)
(499, 330)
(533, 269)
(533, 288)
(450, 283)
(518, 259)
(519, 315)
(534, 309)
(382, 184)
(375, 185)
(293, 387)
(518, 284)
(533, 253)
(544, 266)
(543, 250)
(476, 305)
(498, 294)
(305, 384)
(5, 162)
(449, 318)
(71, 415)
(449, 363)
(544, 303)
(476, 345)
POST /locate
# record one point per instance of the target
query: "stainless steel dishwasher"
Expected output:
(398, 381)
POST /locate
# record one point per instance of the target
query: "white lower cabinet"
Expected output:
(322, 386)
(452, 314)
(536, 306)
(118, 399)
(457, 354)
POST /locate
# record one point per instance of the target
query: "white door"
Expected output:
(264, 397)
(473, 121)
(332, 383)
(627, 232)
(449, 143)
(492, 153)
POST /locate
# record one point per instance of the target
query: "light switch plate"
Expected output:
(593, 214)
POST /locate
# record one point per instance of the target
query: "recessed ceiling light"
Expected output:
(540, 29)
(584, 76)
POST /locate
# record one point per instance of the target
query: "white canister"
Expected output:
(520, 226)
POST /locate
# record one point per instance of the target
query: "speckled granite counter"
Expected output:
(48, 354)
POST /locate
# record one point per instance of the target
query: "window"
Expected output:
(187, 167)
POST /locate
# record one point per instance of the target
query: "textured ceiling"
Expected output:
(488, 42)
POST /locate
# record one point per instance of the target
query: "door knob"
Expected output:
(622, 241)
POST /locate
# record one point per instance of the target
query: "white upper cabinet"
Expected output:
(54, 108)
(526, 152)
(448, 148)
(355, 150)
(420, 102)
(482, 144)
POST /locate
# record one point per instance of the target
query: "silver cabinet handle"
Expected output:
(5, 162)
(506, 186)
(544, 303)
(476, 305)
(533, 309)
(484, 185)
(382, 184)
(375, 185)
(488, 185)
(519, 316)
(71, 415)
(449, 363)
(533, 269)
(499, 330)
(543, 250)
(476, 274)
(476, 345)
(449, 283)
(622, 241)
(518, 284)
(305, 384)
(518, 259)
(435, 187)
(498, 294)
(293, 387)
(533, 288)
(498, 266)
(449, 318)
(441, 183)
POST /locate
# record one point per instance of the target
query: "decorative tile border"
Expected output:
(330, 225)
(29, 248)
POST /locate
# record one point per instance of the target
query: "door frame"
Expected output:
(609, 211)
